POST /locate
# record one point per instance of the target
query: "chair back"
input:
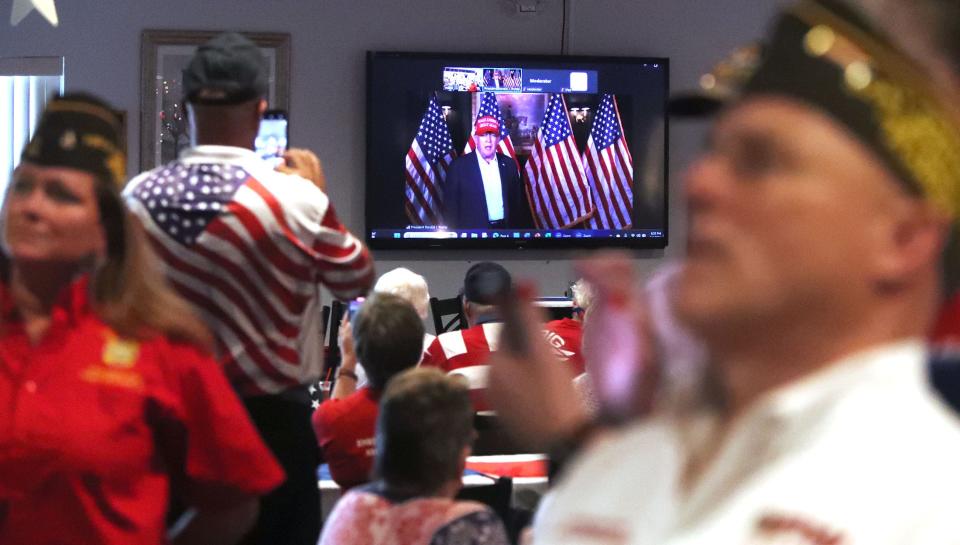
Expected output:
(492, 437)
(496, 496)
(555, 307)
(447, 314)
(337, 308)
(324, 323)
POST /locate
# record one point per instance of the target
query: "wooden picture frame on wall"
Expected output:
(164, 54)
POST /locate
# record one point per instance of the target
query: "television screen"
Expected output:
(498, 151)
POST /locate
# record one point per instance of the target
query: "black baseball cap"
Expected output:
(228, 69)
(486, 283)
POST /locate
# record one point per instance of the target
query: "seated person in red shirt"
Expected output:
(424, 436)
(466, 351)
(388, 335)
(565, 334)
(111, 400)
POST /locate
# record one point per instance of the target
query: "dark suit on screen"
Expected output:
(464, 201)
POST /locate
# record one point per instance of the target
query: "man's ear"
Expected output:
(192, 123)
(915, 240)
(464, 454)
(258, 111)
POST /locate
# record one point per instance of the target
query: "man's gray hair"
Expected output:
(582, 294)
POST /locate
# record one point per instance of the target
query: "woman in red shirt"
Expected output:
(389, 337)
(111, 403)
(424, 436)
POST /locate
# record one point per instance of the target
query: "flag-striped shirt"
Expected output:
(249, 247)
(466, 352)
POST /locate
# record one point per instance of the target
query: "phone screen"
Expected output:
(354, 306)
(271, 141)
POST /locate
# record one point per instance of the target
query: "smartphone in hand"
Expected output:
(353, 307)
(271, 142)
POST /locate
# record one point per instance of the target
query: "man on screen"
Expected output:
(483, 188)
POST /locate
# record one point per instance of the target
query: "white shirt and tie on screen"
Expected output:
(490, 174)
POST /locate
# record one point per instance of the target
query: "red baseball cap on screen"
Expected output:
(488, 124)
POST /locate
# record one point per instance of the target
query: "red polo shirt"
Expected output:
(345, 429)
(95, 429)
(565, 336)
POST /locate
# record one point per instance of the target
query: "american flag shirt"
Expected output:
(249, 247)
(466, 352)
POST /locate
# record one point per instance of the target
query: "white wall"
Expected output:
(101, 42)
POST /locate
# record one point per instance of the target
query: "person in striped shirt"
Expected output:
(466, 351)
(250, 248)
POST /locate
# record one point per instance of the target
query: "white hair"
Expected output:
(582, 293)
(408, 285)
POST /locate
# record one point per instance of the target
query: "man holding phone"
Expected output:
(250, 247)
(271, 142)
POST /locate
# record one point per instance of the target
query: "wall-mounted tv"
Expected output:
(511, 151)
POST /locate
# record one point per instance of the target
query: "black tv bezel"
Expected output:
(509, 243)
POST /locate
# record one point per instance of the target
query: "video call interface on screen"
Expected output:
(517, 152)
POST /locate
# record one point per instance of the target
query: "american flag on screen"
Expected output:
(559, 194)
(426, 167)
(490, 106)
(232, 247)
(609, 169)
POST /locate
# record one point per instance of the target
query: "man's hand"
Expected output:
(305, 164)
(346, 383)
(533, 393)
(617, 341)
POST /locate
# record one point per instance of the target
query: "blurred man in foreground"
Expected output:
(818, 214)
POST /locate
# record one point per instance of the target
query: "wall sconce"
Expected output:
(579, 114)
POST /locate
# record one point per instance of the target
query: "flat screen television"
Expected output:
(513, 151)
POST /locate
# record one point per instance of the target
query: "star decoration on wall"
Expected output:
(22, 8)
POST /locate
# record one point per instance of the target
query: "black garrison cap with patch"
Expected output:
(826, 55)
(80, 131)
